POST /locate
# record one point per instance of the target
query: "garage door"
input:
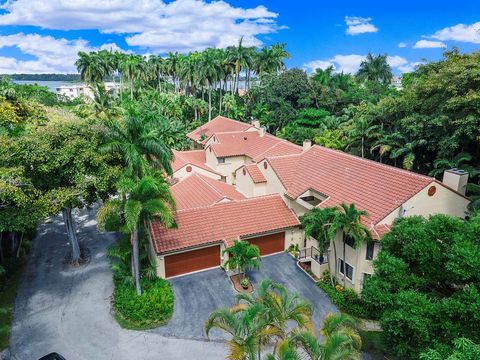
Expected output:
(269, 244)
(190, 261)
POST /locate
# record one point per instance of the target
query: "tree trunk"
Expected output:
(344, 264)
(136, 261)
(131, 88)
(209, 102)
(17, 254)
(71, 233)
(336, 260)
(363, 146)
(1, 247)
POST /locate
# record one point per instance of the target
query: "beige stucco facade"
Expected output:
(246, 186)
(228, 167)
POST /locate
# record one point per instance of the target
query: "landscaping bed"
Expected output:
(236, 281)
(150, 310)
(8, 291)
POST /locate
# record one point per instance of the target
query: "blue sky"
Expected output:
(39, 36)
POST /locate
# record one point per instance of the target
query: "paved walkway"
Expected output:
(69, 311)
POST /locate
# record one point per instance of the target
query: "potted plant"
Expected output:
(245, 283)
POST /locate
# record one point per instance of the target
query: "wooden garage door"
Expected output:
(269, 244)
(190, 261)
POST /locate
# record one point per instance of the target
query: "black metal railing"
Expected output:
(314, 253)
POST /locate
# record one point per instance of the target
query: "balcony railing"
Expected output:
(314, 253)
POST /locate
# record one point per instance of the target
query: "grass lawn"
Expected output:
(8, 290)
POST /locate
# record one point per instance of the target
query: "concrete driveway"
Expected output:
(69, 311)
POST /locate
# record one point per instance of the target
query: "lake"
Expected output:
(52, 85)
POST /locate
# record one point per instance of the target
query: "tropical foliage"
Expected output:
(425, 288)
(278, 317)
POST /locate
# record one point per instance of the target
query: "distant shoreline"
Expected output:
(44, 77)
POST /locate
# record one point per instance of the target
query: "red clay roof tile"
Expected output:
(218, 124)
(224, 222)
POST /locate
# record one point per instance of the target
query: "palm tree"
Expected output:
(156, 68)
(348, 220)
(91, 67)
(239, 56)
(246, 325)
(131, 67)
(406, 149)
(172, 67)
(242, 256)
(139, 142)
(143, 201)
(316, 223)
(341, 342)
(210, 71)
(362, 130)
(458, 161)
(375, 68)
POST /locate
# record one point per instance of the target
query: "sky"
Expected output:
(44, 36)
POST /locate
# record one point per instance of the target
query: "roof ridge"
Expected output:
(386, 166)
(231, 202)
(201, 177)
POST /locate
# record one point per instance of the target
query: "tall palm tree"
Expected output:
(375, 68)
(139, 142)
(143, 201)
(172, 67)
(239, 56)
(316, 223)
(210, 72)
(361, 131)
(406, 149)
(348, 220)
(131, 67)
(91, 67)
(156, 68)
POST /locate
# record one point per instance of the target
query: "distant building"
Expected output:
(397, 81)
(74, 91)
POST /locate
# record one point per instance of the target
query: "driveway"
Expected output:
(69, 311)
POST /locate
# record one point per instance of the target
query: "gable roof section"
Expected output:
(255, 173)
(197, 190)
(217, 124)
(377, 188)
(193, 157)
(223, 222)
(251, 144)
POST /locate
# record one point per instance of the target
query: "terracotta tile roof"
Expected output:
(379, 230)
(193, 157)
(197, 190)
(377, 188)
(255, 173)
(224, 222)
(251, 144)
(218, 124)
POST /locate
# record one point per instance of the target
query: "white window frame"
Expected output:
(352, 280)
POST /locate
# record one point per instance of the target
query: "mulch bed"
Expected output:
(68, 264)
(236, 279)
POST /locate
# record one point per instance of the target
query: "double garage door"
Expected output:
(209, 257)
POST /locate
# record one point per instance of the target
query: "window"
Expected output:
(312, 200)
(370, 247)
(349, 269)
(349, 240)
(221, 160)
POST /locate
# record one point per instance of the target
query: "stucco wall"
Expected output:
(274, 185)
(182, 172)
(226, 169)
(444, 201)
(246, 186)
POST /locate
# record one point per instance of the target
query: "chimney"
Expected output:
(456, 179)
(307, 144)
(262, 131)
(255, 123)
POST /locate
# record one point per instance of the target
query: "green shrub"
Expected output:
(346, 300)
(152, 309)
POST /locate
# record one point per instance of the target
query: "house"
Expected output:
(247, 184)
(74, 91)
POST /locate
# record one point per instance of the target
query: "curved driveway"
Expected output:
(69, 311)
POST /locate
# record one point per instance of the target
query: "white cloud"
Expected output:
(351, 63)
(180, 25)
(429, 44)
(396, 61)
(51, 55)
(460, 32)
(402, 45)
(358, 25)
